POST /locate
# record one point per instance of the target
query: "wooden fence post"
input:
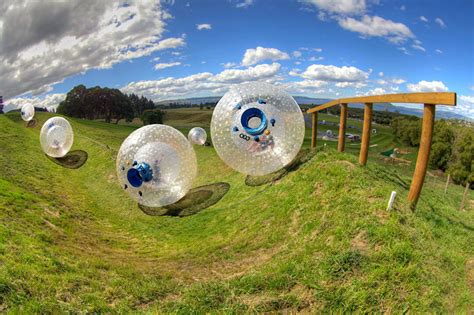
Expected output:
(342, 128)
(447, 183)
(463, 202)
(423, 154)
(314, 130)
(364, 146)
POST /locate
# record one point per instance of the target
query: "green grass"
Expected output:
(317, 240)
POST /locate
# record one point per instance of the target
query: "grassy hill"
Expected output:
(317, 240)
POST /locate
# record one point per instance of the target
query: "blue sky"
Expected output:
(177, 49)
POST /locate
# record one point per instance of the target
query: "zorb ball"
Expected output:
(27, 112)
(197, 136)
(156, 165)
(257, 128)
(56, 137)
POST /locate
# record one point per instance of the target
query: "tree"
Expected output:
(441, 149)
(152, 117)
(462, 167)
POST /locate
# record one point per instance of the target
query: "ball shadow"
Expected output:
(74, 159)
(300, 159)
(196, 200)
(32, 123)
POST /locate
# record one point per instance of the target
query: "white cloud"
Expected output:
(50, 101)
(244, 4)
(259, 54)
(471, 87)
(160, 66)
(314, 58)
(334, 73)
(380, 74)
(465, 106)
(376, 91)
(204, 83)
(297, 62)
(418, 47)
(201, 27)
(110, 34)
(250, 74)
(402, 8)
(440, 22)
(346, 7)
(403, 50)
(296, 54)
(422, 18)
(427, 86)
(228, 65)
(390, 81)
(439, 51)
(375, 26)
(356, 85)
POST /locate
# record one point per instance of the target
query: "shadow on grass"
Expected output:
(196, 200)
(32, 123)
(74, 159)
(301, 158)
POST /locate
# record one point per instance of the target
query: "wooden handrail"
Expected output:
(438, 98)
(430, 100)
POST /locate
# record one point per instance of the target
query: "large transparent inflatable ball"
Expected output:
(56, 137)
(156, 165)
(257, 128)
(27, 112)
(197, 135)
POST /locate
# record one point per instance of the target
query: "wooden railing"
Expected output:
(430, 100)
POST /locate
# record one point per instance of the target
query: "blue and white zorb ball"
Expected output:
(27, 112)
(257, 128)
(156, 165)
(56, 137)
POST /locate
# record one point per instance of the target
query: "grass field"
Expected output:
(317, 240)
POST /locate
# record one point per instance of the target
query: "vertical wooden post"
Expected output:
(463, 202)
(423, 154)
(342, 128)
(314, 130)
(364, 146)
(447, 183)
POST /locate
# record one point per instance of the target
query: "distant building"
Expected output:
(1, 104)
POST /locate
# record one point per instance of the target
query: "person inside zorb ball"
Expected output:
(56, 137)
(156, 165)
(257, 128)
(27, 112)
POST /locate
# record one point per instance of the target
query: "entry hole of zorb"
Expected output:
(254, 121)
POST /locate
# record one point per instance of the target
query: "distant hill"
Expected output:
(311, 100)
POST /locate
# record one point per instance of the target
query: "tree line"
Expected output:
(108, 104)
(452, 148)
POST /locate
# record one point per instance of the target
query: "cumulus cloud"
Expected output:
(229, 65)
(50, 101)
(334, 73)
(160, 66)
(204, 82)
(427, 86)
(296, 54)
(440, 22)
(201, 27)
(346, 7)
(375, 26)
(36, 52)
(376, 91)
(259, 54)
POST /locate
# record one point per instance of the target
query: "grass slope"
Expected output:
(317, 240)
